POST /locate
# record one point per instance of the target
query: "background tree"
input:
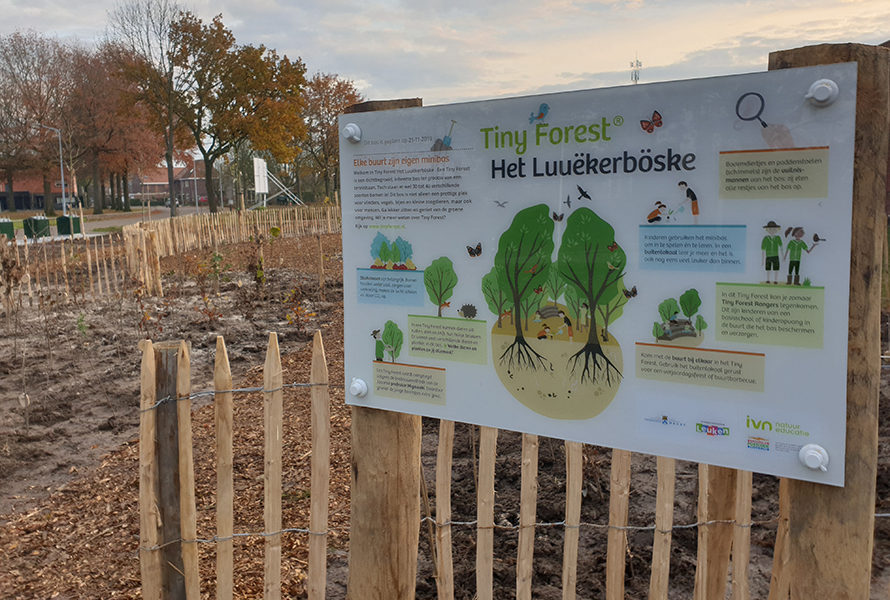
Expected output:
(327, 96)
(592, 262)
(439, 279)
(555, 285)
(522, 264)
(232, 93)
(142, 29)
(392, 340)
(32, 76)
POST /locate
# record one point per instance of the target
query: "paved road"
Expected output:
(94, 222)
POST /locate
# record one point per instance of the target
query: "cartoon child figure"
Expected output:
(691, 198)
(770, 246)
(567, 323)
(656, 215)
(544, 333)
(795, 249)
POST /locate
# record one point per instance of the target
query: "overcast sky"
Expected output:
(455, 50)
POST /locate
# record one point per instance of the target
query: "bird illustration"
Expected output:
(568, 201)
(542, 112)
(818, 239)
(501, 204)
(375, 333)
(582, 193)
(533, 270)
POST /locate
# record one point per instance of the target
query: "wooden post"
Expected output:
(321, 476)
(385, 490)
(445, 566)
(166, 376)
(225, 482)
(741, 540)
(574, 479)
(716, 502)
(188, 518)
(528, 501)
(320, 269)
(832, 528)
(619, 503)
(664, 522)
(273, 417)
(149, 514)
(488, 441)
(780, 584)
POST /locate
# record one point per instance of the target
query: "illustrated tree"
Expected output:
(690, 302)
(700, 324)
(440, 279)
(592, 262)
(611, 306)
(392, 340)
(555, 285)
(522, 264)
(497, 300)
(667, 309)
(576, 302)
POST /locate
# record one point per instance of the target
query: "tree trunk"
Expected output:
(212, 200)
(49, 204)
(10, 195)
(168, 156)
(97, 190)
(125, 181)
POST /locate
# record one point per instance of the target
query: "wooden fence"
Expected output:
(88, 267)
(167, 503)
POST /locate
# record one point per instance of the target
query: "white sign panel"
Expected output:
(260, 180)
(661, 268)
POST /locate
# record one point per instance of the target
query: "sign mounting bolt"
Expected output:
(353, 133)
(822, 92)
(358, 387)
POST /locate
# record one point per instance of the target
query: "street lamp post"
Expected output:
(61, 167)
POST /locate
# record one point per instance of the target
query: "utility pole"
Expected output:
(635, 66)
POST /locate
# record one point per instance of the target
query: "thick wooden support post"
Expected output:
(385, 490)
(385, 516)
(149, 515)
(832, 529)
(166, 376)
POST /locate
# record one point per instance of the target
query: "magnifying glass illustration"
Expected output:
(750, 106)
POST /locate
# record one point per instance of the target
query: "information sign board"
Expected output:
(662, 268)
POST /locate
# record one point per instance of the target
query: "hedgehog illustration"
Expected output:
(467, 311)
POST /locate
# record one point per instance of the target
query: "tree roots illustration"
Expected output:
(522, 356)
(594, 359)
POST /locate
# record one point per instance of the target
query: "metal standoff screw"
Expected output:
(353, 133)
(814, 456)
(822, 92)
(358, 387)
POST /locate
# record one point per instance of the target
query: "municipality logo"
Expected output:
(665, 420)
(758, 443)
(711, 429)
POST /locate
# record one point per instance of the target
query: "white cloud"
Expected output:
(452, 50)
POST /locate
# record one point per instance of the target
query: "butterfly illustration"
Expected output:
(445, 305)
(613, 247)
(558, 217)
(539, 289)
(632, 292)
(649, 126)
(477, 251)
(533, 270)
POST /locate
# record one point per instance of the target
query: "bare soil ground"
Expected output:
(68, 477)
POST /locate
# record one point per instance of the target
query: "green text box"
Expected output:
(410, 382)
(701, 366)
(786, 173)
(445, 338)
(769, 314)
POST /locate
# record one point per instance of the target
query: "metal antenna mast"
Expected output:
(635, 66)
